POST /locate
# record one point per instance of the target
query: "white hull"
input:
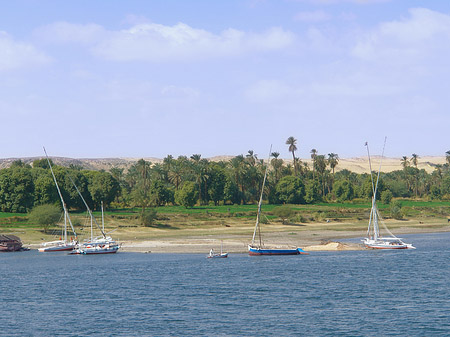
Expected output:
(97, 246)
(217, 256)
(96, 250)
(387, 243)
(58, 246)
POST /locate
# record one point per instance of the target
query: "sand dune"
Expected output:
(357, 165)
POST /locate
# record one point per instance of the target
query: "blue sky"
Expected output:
(151, 78)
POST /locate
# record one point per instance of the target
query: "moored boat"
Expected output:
(64, 244)
(257, 246)
(98, 245)
(10, 243)
(213, 255)
(57, 246)
(374, 239)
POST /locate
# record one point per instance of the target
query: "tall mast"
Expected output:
(89, 210)
(66, 213)
(103, 219)
(260, 202)
(373, 221)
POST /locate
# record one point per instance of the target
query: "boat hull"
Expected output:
(218, 256)
(254, 251)
(387, 244)
(54, 249)
(60, 246)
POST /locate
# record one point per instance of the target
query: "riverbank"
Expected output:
(308, 240)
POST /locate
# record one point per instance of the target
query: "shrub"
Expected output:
(396, 210)
(283, 212)
(148, 217)
(386, 197)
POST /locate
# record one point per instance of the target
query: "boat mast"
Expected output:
(89, 210)
(373, 221)
(66, 213)
(103, 219)
(260, 202)
(373, 193)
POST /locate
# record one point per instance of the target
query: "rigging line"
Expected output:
(85, 203)
(260, 202)
(379, 170)
(60, 194)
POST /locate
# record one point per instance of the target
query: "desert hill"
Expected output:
(357, 165)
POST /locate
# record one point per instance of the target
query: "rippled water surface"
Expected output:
(361, 293)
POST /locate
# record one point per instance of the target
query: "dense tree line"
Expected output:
(193, 180)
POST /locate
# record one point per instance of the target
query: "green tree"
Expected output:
(45, 215)
(312, 192)
(343, 190)
(160, 194)
(386, 197)
(42, 163)
(187, 195)
(44, 187)
(217, 180)
(102, 187)
(16, 190)
(290, 190)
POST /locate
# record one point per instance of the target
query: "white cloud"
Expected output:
(315, 16)
(64, 32)
(337, 2)
(14, 55)
(425, 34)
(155, 42)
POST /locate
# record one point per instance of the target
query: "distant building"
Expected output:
(10, 243)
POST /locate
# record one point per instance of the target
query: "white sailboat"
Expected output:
(64, 244)
(257, 246)
(95, 245)
(374, 238)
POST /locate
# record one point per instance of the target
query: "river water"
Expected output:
(348, 293)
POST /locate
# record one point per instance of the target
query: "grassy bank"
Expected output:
(238, 221)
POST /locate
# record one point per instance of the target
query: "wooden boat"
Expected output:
(10, 243)
(220, 255)
(374, 239)
(257, 247)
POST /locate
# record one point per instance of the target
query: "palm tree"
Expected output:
(238, 169)
(313, 157)
(414, 159)
(291, 141)
(321, 166)
(405, 162)
(447, 157)
(251, 158)
(333, 160)
(276, 164)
